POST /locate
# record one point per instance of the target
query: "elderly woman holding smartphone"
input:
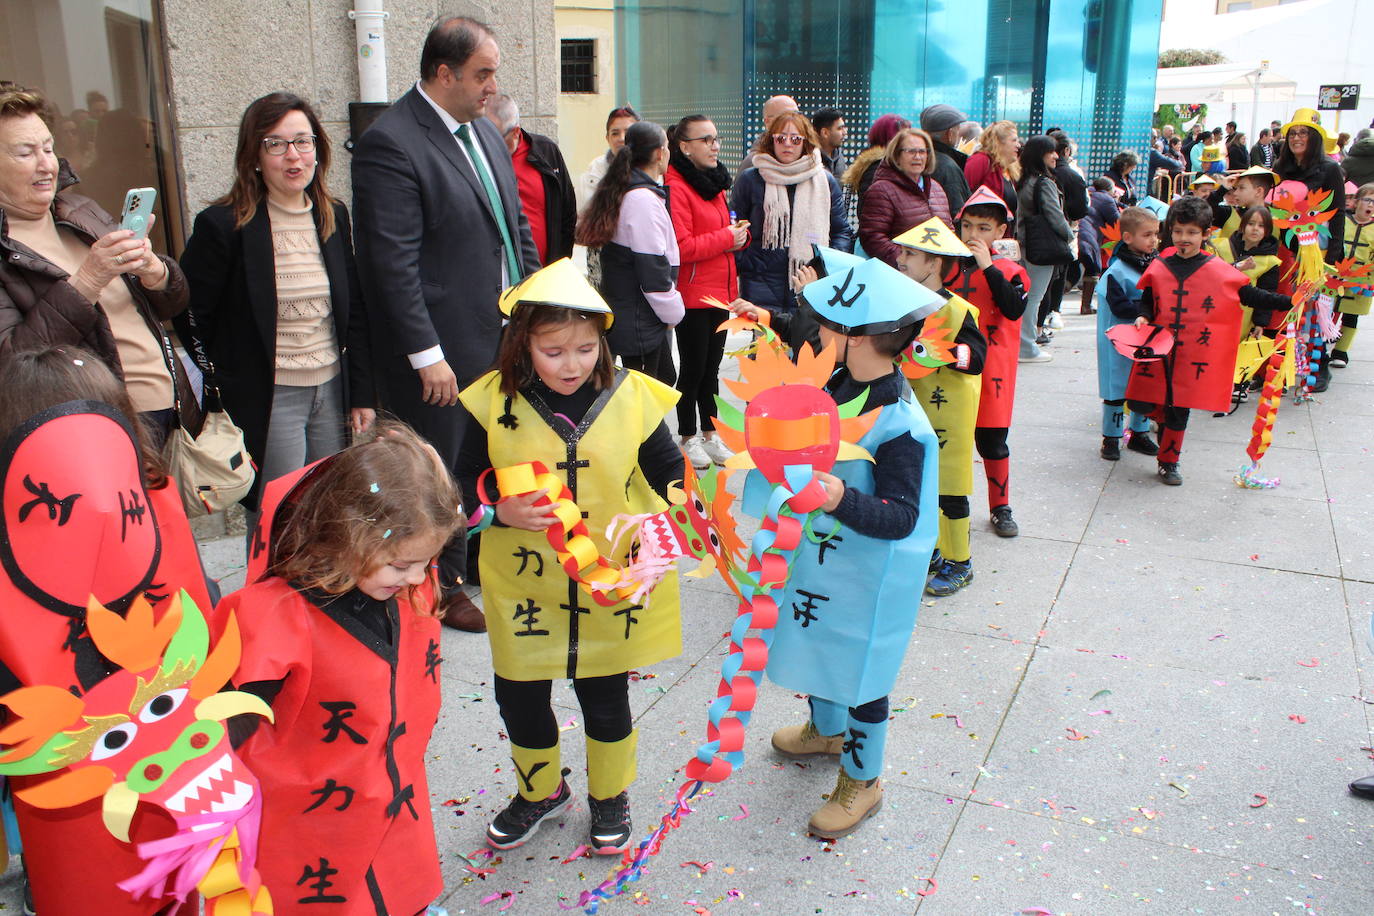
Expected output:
(274, 295)
(70, 275)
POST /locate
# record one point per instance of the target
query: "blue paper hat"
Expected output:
(1156, 206)
(870, 298)
(829, 261)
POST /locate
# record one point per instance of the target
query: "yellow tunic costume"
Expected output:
(540, 623)
(950, 400)
(1359, 244)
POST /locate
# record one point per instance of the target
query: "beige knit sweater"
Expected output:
(307, 351)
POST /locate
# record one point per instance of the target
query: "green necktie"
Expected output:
(464, 133)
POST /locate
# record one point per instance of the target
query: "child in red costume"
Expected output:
(87, 511)
(1197, 297)
(997, 286)
(340, 638)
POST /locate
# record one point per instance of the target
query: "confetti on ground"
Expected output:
(1076, 735)
(568, 725)
(1311, 663)
(1218, 636)
(1263, 800)
(744, 812)
(1183, 790)
(1100, 712)
(934, 886)
(1100, 694)
(1301, 720)
(702, 867)
(579, 852)
(1036, 911)
(508, 896)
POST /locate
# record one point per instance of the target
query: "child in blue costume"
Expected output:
(850, 604)
(1117, 295)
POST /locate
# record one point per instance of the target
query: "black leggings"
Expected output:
(991, 442)
(700, 348)
(528, 714)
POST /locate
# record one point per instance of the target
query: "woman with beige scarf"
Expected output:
(792, 202)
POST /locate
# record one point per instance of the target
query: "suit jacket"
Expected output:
(429, 248)
(233, 281)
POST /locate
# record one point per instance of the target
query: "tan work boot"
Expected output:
(805, 741)
(851, 803)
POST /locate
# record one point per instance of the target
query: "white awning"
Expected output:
(1220, 83)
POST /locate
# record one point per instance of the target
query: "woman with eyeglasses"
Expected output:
(275, 299)
(707, 237)
(904, 194)
(792, 202)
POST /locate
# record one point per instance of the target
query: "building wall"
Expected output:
(221, 56)
(582, 115)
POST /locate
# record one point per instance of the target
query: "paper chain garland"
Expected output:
(568, 537)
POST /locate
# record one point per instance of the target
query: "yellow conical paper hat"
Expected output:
(935, 237)
(560, 284)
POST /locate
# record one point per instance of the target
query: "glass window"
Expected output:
(102, 71)
(578, 64)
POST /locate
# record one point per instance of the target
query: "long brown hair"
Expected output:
(34, 380)
(513, 361)
(363, 503)
(798, 120)
(990, 142)
(249, 189)
(643, 140)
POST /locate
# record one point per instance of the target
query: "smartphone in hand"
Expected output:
(138, 207)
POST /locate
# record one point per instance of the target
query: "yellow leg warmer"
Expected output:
(537, 770)
(1347, 338)
(954, 538)
(611, 765)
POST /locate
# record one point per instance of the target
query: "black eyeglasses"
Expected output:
(276, 146)
(709, 141)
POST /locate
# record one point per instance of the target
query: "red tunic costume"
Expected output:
(346, 811)
(1198, 300)
(1002, 332)
(76, 520)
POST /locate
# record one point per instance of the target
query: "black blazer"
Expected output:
(233, 281)
(429, 249)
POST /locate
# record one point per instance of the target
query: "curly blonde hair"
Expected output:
(991, 143)
(350, 515)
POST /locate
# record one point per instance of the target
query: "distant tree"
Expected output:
(1190, 57)
(1181, 116)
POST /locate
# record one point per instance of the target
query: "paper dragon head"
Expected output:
(1303, 214)
(151, 732)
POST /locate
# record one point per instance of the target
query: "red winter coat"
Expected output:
(704, 241)
(893, 204)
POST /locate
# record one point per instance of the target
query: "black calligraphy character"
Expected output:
(523, 554)
(1200, 367)
(1178, 308)
(1001, 485)
(340, 711)
(940, 435)
(530, 612)
(133, 512)
(937, 397)
(259, 545)
(839, 297)
(528, 777)
(966, 291)
(931, 235)
(319, 882)
(993, 331)
(853, 745)
(630, 618)
(1208, 305)
(1118, 418)
(59, 510)
(997, 383)
(433, 660)
(805, 613)
(1204, 337)
(507, 419)
(326, 792)
(830, 543)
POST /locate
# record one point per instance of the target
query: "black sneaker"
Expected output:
(1111, 448)
(515, 825)
(1003, 523)
(610, 832)
(1339, 359)
(936, 561)
(1141, 442)
(1169, 475)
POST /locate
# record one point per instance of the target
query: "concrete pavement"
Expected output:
(1149, 702)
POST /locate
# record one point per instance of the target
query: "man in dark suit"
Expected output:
(439, 234)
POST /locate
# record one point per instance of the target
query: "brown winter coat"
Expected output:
(39, 308)
(894, 204)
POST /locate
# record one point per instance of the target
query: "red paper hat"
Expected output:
(75, 520)
(1141, 344)
(984, 195)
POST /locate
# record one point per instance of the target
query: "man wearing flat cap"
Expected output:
(942, 123)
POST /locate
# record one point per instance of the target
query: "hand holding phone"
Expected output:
(138, 211)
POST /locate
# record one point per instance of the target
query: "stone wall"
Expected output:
(221, 56)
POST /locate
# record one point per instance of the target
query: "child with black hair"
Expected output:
(949, 396)
(1236, 195)
(1196, 296)
(996, 286)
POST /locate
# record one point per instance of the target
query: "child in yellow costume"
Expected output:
(949, 396)
(556, 398)
(1352, 303)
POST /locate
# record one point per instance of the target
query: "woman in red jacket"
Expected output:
(707, 236)
(904, 194)
(994, 163)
